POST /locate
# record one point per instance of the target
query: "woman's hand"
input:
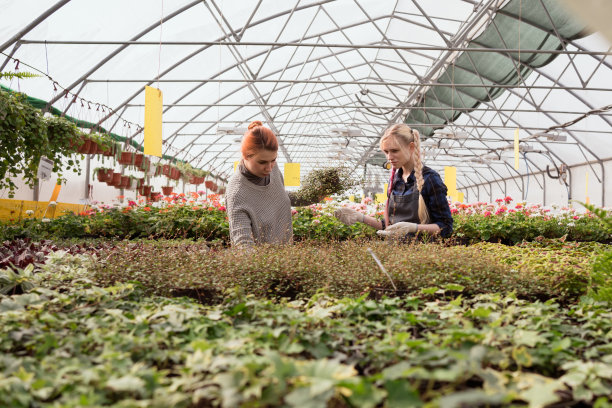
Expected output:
(348, 216)
(398, 229)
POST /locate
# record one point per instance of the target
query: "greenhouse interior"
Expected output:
(315, 203)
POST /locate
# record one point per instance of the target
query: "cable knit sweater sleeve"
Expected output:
(241, 231)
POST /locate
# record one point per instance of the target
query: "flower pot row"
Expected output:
(118, 180)
(89, 146)
(137, 160)
(196, 180)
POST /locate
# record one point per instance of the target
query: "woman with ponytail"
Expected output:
(258, 207)
(416, 198)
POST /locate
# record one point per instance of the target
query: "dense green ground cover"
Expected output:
(533, 271)
(69, 342)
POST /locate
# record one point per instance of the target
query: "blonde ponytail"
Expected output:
(404, 136)
(418, 174)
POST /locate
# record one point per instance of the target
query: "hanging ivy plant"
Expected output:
(26, 135)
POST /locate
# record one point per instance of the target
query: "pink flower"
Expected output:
(316, 222)
(508, 199)
(487, 213)
(293, 211)
(500, 210)
(454, 211)
(499, 200)
(511, 211)
(222, 208)
(519, 206)
(576, 217)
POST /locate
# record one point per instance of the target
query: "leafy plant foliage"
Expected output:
(71, 343)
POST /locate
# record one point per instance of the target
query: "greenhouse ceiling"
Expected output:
(328, 77)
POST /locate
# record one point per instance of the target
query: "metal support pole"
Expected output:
(87, 172)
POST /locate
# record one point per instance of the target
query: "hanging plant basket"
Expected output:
(210, 185)
(145, 191)
(103, 175)
(93, 147)
(166, 170)
(115, 180)
(175, 173)
(84, 148)
(138, 158)
(125, 182)
(167, 190)
(126, 158)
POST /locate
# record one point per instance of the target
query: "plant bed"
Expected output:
(125, 348)
(346, 269)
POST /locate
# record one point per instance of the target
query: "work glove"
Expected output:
(399, 229)
(348, 216)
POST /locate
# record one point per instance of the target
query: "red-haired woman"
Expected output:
(258, 207)
(416, 196)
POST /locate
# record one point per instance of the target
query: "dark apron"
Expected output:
(404, 208)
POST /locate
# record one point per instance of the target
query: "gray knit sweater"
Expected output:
(258, 214)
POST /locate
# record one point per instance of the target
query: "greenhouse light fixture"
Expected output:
(230, 130)
(346, 132)
(553, 137)
(452, 134)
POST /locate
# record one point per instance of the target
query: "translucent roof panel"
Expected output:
(327, 76)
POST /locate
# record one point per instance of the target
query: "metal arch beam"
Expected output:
(117, 51)
(110, 56)
(556, 82)
(317, 35)
(601, 59)
(236, 90)
(243, 67)
(436, 66)
(33, 24)
(235, 65)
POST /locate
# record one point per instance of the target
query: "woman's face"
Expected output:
(261, 163)
(399, 156)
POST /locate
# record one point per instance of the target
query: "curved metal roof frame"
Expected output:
(306, 124)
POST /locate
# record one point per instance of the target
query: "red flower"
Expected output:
(519, 206)
(146, 209)
(508, 199)
(222, 208)
(487, 213)
(454, 211)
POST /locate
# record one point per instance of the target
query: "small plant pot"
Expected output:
(146, 191)
(115, 180)
(125, 182)
(167, 190)
(84, 148)
(126, 158)
(165, 170)
(102, 175)
(93, 148)
(138, 159)
(175, 173)
(106, 151)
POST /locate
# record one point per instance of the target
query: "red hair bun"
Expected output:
(257, 138)
(255, 123)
